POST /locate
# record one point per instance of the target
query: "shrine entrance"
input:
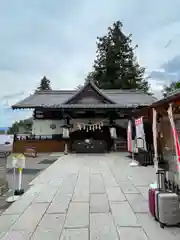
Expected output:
(96, 141)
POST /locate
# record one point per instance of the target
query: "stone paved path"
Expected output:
(95, 197)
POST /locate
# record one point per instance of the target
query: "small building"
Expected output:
(89, 112)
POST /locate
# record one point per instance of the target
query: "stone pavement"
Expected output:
(86, 197)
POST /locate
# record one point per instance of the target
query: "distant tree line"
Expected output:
(25, 124)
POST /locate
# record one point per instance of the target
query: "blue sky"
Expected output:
(58, 39)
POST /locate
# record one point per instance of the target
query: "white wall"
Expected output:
(42, 127)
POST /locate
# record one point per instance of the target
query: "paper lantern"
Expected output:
(65, 132)
(113, 132)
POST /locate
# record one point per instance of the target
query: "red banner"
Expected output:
(177, 144)
(175, 136)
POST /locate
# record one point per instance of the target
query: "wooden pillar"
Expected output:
(159, 142)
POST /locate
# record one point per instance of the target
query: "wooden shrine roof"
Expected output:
(173, 97)
(71, 99)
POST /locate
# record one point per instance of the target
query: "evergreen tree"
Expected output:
(44, 84)
(172, 87)
(115, 66)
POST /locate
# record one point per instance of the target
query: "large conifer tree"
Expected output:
(45, 84)
(116, 66)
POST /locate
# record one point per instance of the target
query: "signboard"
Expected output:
(18, 161)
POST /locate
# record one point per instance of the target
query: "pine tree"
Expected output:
(115, 66)
(44, 84)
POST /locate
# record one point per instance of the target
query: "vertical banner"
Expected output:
(140, 135)
(154, 129)
(175, 136)
(129, 136)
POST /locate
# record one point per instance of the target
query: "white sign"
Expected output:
(19, 161)
(14, 162)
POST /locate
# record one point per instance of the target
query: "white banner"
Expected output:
(140, 135)
(154, 128)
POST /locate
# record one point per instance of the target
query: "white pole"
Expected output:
(13, 198)
(14, 181)
(132, 150)
(20, 178)
(133, 163)
(66, 149)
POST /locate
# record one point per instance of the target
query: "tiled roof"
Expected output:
(130, 97)
(60, 99)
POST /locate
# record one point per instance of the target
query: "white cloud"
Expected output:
(59, 40)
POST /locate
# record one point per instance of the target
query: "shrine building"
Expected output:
(86, 120)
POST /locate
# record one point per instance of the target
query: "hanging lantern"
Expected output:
(65, 132)
(113, 132)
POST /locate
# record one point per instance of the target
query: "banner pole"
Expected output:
(13, 198)
(133, 163)
(21, 166)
